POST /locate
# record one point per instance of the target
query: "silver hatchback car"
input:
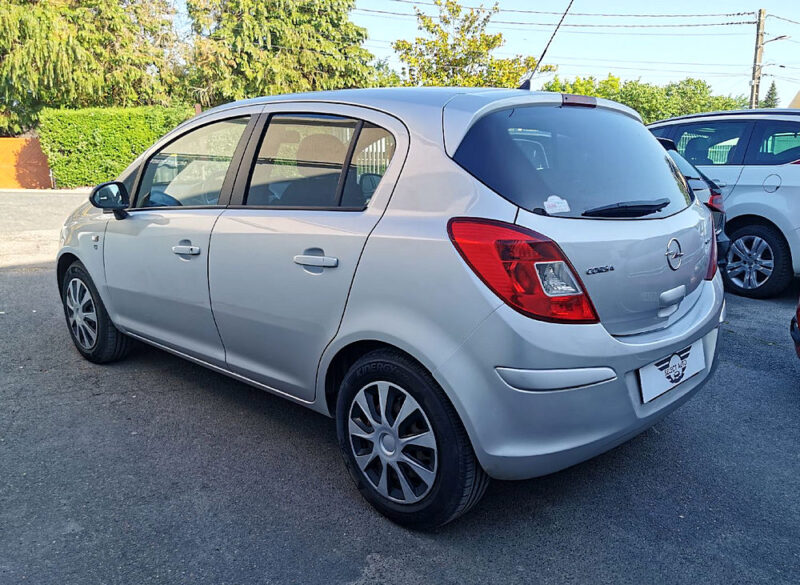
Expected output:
(474, 283)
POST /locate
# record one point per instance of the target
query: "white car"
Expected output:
(754, 156)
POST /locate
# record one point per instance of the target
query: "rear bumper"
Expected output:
(520, 428)
(795, 332)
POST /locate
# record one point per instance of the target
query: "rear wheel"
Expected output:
(91, 329)
(759, 262)
(403, 442)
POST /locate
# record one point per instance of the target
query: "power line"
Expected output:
(776, 17)
(597, 32)
(522, 11)
(519, 22)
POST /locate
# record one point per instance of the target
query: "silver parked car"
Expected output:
(754, 156)
(470, 281)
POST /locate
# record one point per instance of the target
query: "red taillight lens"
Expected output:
(715, 201)
(525, 269)
(712, 261)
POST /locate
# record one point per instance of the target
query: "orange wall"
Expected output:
(23, 164)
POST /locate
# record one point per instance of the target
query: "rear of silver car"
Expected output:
(564, 291)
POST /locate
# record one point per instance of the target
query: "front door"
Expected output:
(283, 259)
(156, 259)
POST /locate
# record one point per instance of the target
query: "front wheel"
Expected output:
(759, 263)
(94, 335)
(403, 443)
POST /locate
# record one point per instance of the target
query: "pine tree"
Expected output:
(771, 99)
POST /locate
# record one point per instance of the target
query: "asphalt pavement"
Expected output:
(156, 470)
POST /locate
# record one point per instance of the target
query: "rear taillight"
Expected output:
(712, 260)
(525, 269)
(715, 202)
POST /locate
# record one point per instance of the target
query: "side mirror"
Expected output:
(112, 195)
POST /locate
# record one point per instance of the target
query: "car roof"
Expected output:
(759, 112)
(420, 108)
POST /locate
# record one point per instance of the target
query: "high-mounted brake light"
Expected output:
(524, 268)
(587, 101)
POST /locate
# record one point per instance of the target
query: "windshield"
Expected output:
(564, 161)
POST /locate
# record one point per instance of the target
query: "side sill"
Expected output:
(220, 370)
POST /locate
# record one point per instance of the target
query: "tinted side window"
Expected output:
(191, 169)
(711, 143)
(300, 161)
(662, 132)
(775, 143)
(373, 152)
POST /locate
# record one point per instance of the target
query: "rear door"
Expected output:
(315, 181)
(772, 165)
(716, 147)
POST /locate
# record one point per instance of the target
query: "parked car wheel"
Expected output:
(403, 443)
(91, 329)
(758, 263)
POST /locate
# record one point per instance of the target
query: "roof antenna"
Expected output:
(526, 79)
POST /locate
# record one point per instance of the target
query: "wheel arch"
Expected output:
(64, 262)
(345, 357)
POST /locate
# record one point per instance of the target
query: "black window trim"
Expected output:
(757, 136)
(239, 195)
(230, 175)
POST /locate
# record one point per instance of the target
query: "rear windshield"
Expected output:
(569, 161)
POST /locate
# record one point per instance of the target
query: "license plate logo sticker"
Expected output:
(674, 367)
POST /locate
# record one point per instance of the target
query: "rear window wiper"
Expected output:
(627, 209)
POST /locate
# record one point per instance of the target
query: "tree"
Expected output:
(247, 48)
(73, 53)
(383, 75)
(457, 50)
(771, 99)
(653, 102)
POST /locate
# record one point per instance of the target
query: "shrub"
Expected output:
(92, 145)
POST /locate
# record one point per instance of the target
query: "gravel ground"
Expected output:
(155, 470)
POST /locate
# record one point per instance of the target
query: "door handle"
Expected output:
(311, 260)
(186, 250)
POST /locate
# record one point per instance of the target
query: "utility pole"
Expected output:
(756, 79)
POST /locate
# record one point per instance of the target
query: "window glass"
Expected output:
(661, 132)
(371, 156)
(710, 143)
(300, 161)
(191, 169)
(557, 160)
(778, 143)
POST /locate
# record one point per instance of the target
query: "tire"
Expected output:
(748, 259)
(450, 479)
(86, 315)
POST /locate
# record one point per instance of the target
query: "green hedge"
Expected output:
(92, 145)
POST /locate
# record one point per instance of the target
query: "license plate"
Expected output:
(664, 374)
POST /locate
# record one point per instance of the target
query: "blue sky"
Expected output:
(721, 55)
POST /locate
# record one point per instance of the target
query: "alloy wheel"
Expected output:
(81, 313)
(393, 442)
(750, 262)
